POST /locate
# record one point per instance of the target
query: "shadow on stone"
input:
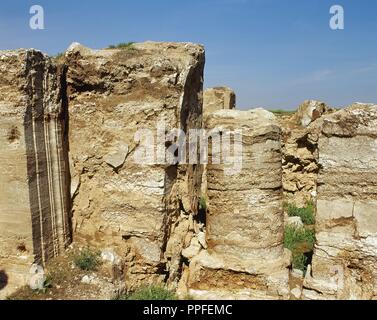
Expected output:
(3, 279)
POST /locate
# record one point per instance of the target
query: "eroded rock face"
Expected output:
(300, 165)
(34, 196)
(245, 256)
(118, 202)
(345, 255)
(300, 152)
(144, 214)
(310, 111)
(214, 99)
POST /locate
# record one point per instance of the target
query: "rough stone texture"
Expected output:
(34, 195)
(300, 165)
(345, 255)
(310, 111)
(217, 99)
(300, 152)
(145, 216)
(214, 99)
(133, 207)
(295, 222)
(245, 256)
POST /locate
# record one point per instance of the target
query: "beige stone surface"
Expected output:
(214, 99)
(34, 208)
(300, 167)
(119, 202)
(300, 152)
(300, 162)
(244, 226)
(68, 141)
(345, 256)
(217, 99)
(310, 111)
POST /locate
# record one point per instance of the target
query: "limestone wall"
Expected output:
(345, 255)
(300, 152)
(118, 202)
(34, 199)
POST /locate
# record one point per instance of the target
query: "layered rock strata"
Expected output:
(245, 257)
(214, 99)
(345, 254)
(34, 175)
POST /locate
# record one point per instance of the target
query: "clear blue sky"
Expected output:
(273, 53)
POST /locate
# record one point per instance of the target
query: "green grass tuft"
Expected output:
(294, 236)
(122, 45)
(149, 293)
(282, 112)
(87, 259)
(306, 214)
(299, 261)
(299, 241)
(203, 203)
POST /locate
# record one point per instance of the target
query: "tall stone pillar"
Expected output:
(34, 173)
(245, 256)
(214, 99)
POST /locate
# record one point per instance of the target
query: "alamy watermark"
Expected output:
(337, 18)
(174, 146)
(37, 20)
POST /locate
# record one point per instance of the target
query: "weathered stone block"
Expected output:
(218, 99)
(345, 254)
(34, 195)
(365, 214)
(120, 202)
(245, 256)
(310, 111)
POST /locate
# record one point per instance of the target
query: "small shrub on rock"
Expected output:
(294, 236)
(88, 260)
(306, 214)
(299, 241)
(203, 203)
(149, 293)
(122, 45)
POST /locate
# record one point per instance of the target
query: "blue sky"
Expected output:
(273, 53)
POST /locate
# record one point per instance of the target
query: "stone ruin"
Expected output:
(345, 255)
(300, 152)
(340, 148)
(118, 203)
(34, 172)
(67, 140)
(244, 223)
